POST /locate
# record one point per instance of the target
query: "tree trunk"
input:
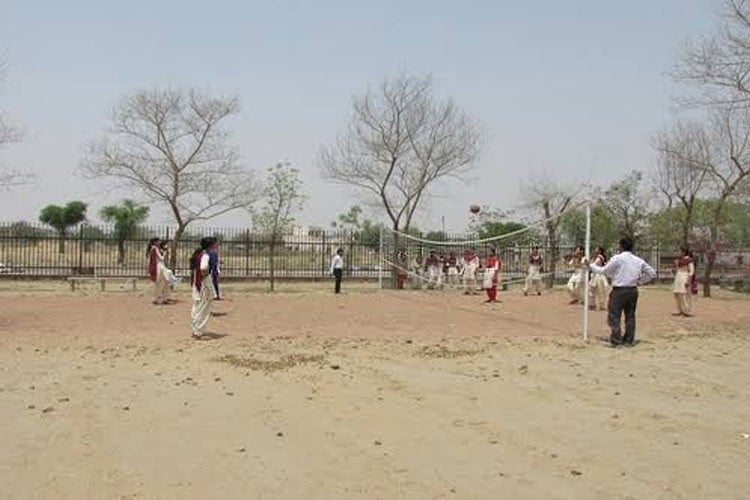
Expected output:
(710, 259)
(555, 250)
(61, 235)
(685, 239)
(396, 258)
(272, 263)
(121, 252)
(175, 245)
(711, 254)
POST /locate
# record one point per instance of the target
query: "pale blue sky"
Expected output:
(573, 88)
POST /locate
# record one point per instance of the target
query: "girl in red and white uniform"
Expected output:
(684, 282)
(452, 271)
(491, 273)
(155, 274)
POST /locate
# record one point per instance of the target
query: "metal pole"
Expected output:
(586, 276)
(382, 261)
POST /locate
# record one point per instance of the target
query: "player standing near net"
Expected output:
(452, 272)
(627, 271)
(337, 269)
(202, 292)
(534, 276)
(576, 281)
(469, 266)
(599, 284)
(491, 273)
(433, 268)
(684, 279)
(416, 270)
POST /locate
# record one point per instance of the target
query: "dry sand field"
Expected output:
(303, 394)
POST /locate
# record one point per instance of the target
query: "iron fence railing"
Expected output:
(35, 250)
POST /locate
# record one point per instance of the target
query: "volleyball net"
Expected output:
(407, 259)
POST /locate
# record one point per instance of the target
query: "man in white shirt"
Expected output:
(626, 271)
(337, 268)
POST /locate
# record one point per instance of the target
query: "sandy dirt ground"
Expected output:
(395, 395)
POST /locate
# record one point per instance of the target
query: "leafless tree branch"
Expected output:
(171, 145)
(719, 64)
(400, 141)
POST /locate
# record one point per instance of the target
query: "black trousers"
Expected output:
(337, 275)
(215, 281)
(622, 300)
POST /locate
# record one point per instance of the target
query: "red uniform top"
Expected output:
(432, 260)
(685, 262)
(153, 263)
(493, 261)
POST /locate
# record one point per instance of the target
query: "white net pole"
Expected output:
(586, 276)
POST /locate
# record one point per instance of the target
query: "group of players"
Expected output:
(434, 272)
(439, 270)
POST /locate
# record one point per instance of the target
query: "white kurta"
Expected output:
(161, 283)
(599, 286)
(575, 283)
(201, 309)
(469, 273)
(533, 279)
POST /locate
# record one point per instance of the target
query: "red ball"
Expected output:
(475, 209)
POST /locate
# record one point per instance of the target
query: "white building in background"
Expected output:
(302, 237)
(305, 238)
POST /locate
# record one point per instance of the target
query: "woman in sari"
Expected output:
(201, 287)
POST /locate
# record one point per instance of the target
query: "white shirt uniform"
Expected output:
(337, 262)
(626, 270)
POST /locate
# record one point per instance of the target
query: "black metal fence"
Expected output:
(33, 250)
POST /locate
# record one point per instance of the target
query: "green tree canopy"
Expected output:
(126, 217)
(63, 217)
(494, 222)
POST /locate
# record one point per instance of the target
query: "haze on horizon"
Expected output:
(573, 93)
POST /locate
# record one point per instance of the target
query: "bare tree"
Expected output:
(282, 199)
(681, 170)
(550, 200)
(724, 154)
(171, 145)
(719, 64)
(729, 170)
(402, 140)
